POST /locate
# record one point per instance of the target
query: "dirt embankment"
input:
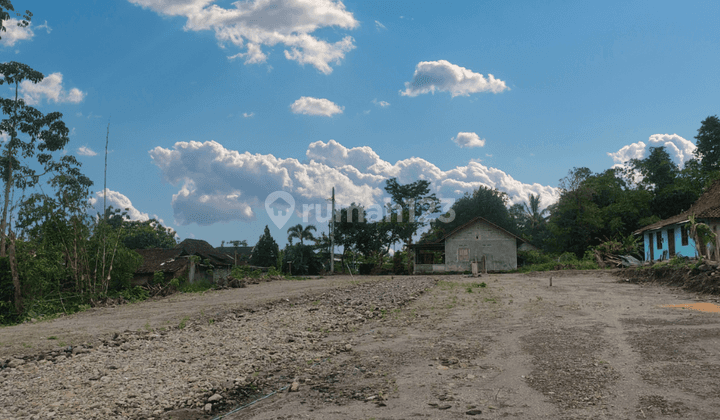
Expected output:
(705, 278)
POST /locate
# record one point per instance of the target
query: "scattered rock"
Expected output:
(237, 357)
(295, 385)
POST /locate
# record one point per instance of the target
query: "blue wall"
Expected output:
(685, 251)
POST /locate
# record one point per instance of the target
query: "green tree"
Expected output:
(658, 170)
(488, 203)
(302, 260)
(708, 144)
(31, 135)
(671, 195)
(301, 233)
(358, 235)
(148, 234)
(601, 207)
(575, 219)
(412, 203)
(5, 8)
(534, 215)
(265, 253)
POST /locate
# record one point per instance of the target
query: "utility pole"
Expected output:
(332, 234)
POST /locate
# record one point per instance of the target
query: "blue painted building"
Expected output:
(670, 237)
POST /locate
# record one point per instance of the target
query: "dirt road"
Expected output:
(96, 323)
(588, 347)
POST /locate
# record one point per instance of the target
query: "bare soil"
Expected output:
(97, 323)
(591, 346)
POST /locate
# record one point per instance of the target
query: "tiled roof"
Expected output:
(166, 260)
(706, 207)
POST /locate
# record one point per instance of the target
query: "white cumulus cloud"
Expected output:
(221, 185)
(381, 104)
(315, 106)
(444, 76)
(468, 140)
(14, 33)
(248, 115)
(49, 88)
(252, 24)
(86, 151)
(117, 201)
(680, 149)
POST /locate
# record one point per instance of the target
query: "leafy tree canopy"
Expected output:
(265, 253)
(488, 203)
(708, 144)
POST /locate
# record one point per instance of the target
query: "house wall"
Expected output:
(429, 268)
(201, 273)
(499, 248)
(663, 253)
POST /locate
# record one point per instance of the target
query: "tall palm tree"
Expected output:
(301, 233)
(532, 211)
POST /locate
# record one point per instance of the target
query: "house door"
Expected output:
(652, 257)
(671, 241)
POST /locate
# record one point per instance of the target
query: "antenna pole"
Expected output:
(332, 234)
(107, 139)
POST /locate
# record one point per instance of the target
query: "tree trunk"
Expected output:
(14, 272)
(106, 284)
(410, 260)
(8, 181)
(3, 224)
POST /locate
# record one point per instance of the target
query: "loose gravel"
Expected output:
(200, 367)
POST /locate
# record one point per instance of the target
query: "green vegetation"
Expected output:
(538, 261)
(266, 251)
(183, 322)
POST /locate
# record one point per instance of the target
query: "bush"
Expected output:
(274, 272)
(534, 257)
(131, 294)
(365, 268)
(564, 261)
(246, 272)
(198, 286)
(399, 263)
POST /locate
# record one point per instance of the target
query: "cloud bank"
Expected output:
(252, 24)
(221, 185)
(443, 76)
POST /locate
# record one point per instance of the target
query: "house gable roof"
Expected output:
(156, 259)
(465, 226)
(706, 207)
(475, 220)
(193, 246)
(231, 250)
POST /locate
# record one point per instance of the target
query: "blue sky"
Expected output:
(214, 105)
